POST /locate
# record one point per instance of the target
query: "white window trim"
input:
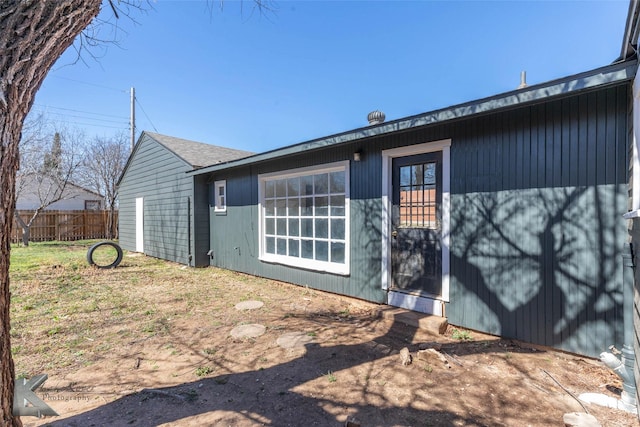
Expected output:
(304, 263)
(387, 157)
(219, 206)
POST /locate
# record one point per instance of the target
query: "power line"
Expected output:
(46, 107)
(87, 118)
(89, 84)
(79, 111)
(90, 124)
(145, 114)
(61, 117)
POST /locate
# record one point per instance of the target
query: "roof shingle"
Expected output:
(198, 154)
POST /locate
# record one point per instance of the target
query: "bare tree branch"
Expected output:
(47, 172)
(103, 163)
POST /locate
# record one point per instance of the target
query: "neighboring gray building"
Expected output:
(157, 202)
(34, 191)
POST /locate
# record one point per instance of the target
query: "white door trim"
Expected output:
(140, 224)
(387, 157)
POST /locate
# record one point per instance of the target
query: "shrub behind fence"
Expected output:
(65, 225)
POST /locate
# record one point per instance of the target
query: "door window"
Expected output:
(418, 205)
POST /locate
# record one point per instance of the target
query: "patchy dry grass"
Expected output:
(149, 343)
(66, 313)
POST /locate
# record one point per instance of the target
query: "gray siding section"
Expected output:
(537, 197)
(158, 176)
(200, 227)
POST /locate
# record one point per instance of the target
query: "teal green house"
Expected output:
(503, 214)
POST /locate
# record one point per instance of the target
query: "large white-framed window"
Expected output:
(304, 217)
(220, 188)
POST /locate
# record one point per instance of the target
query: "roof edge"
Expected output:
(150, 135)
(157, 137)
(590, 80)
(126, 165)
(630, 35)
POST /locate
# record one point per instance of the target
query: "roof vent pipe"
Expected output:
(523, 80)
(376, 117)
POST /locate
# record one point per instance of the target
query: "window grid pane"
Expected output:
(305, 217)
(418, 196)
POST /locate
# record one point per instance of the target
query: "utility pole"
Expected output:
(133, 117)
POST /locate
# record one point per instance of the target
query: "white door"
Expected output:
(139, 224)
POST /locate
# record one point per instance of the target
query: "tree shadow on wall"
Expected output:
(541, 265)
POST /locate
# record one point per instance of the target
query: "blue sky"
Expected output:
(314, 68)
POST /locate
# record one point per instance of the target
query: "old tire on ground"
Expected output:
(115, 262)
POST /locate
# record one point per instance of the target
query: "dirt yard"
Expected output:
(150, 343)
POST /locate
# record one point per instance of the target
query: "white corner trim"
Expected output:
(635, 147)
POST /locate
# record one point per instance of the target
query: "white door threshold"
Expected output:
(417, 303)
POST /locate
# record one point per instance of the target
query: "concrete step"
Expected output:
(435, 324)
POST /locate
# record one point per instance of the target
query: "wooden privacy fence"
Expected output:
(66, 225)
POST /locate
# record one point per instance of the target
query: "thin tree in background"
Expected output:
(103, 164)
(47, 172)
(52, 162)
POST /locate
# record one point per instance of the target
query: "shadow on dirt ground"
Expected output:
(142, 353)
(482, 382)
(269, 397)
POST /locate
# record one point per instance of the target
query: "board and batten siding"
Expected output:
(158, 176)
(537, 198)
(537, 231)
(200, 234)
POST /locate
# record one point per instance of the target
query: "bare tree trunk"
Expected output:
(110, 224)
(26, 226)
(115, 231)
(8, 166)
(34, 35)
(26, 229)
